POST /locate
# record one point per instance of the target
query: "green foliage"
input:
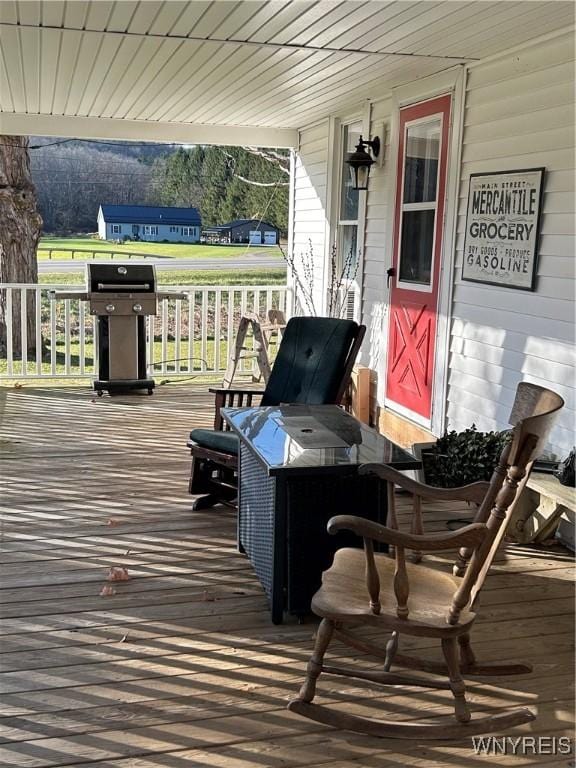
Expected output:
(459, 458)
(216, 176)
(182, 182)
(210, 178)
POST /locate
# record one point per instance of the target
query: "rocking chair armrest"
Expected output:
(473, 492)
(469, 536)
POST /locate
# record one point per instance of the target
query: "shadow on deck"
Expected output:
(181, 665)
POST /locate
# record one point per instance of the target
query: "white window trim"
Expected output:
(352, 285)
(446, 284)
(334, 185)
(116, 229)
(290, 281)
(420, 207)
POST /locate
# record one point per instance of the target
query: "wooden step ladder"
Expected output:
(261, 333)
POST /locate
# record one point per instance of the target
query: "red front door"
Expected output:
(418, 220)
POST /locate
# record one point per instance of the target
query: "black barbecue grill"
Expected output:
(121, 296)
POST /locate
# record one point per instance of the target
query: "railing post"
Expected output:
(164, 314)
(230, 329)
(151, 331)
(38, 329)
(203, 329)
(9, 332)
(53, 338)
(191, 300)
(24, 330)
(82, 336)
(67, 368)
(243, 309)
(177, 334)
(217, 320)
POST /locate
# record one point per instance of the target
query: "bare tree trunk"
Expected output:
(19, 234)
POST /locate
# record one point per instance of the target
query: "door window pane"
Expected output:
(348, 195)
(416, 246)
(421, 162)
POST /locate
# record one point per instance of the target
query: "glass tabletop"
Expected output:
(312, 437)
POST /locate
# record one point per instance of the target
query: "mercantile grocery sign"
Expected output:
(502, 228)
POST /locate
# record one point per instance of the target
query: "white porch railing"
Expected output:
(57, 338)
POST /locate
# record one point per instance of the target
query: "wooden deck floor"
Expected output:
(181, 666)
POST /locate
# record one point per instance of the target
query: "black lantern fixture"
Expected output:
(360, 161)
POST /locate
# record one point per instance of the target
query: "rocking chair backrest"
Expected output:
(533, 415)
(314, 361)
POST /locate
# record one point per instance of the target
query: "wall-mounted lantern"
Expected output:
(360, 161)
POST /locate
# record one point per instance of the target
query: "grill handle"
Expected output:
(123, 286)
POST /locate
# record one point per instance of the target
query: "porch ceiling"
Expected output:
(191, 71)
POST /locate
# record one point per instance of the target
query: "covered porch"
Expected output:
(175, 662)
(180, 665)
(314, 78)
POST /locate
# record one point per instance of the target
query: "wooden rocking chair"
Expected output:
(364, 588)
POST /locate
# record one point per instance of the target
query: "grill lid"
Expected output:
(114, 278)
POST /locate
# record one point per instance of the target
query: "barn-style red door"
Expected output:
(419, 215)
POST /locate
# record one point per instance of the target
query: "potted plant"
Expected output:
(460, 458)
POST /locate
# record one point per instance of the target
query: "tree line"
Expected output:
(74, 178)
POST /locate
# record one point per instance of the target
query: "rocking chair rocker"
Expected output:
(364, 588)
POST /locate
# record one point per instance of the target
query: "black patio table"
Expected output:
(298, 467)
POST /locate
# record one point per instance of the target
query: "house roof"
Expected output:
(150, 214)
(245, 73)
(239, 223)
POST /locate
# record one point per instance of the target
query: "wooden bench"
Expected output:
(539, 510)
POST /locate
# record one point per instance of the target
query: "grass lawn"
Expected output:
(252, 276)
(195, 364)
(189, 355)
(167, 250)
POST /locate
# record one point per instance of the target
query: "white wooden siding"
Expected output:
(519, 114)
(377, 259)
(310, 221)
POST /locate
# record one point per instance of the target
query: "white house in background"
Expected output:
(453, 90)
(150, 223)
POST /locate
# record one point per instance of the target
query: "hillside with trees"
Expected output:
(228, 183)
(74, 177)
